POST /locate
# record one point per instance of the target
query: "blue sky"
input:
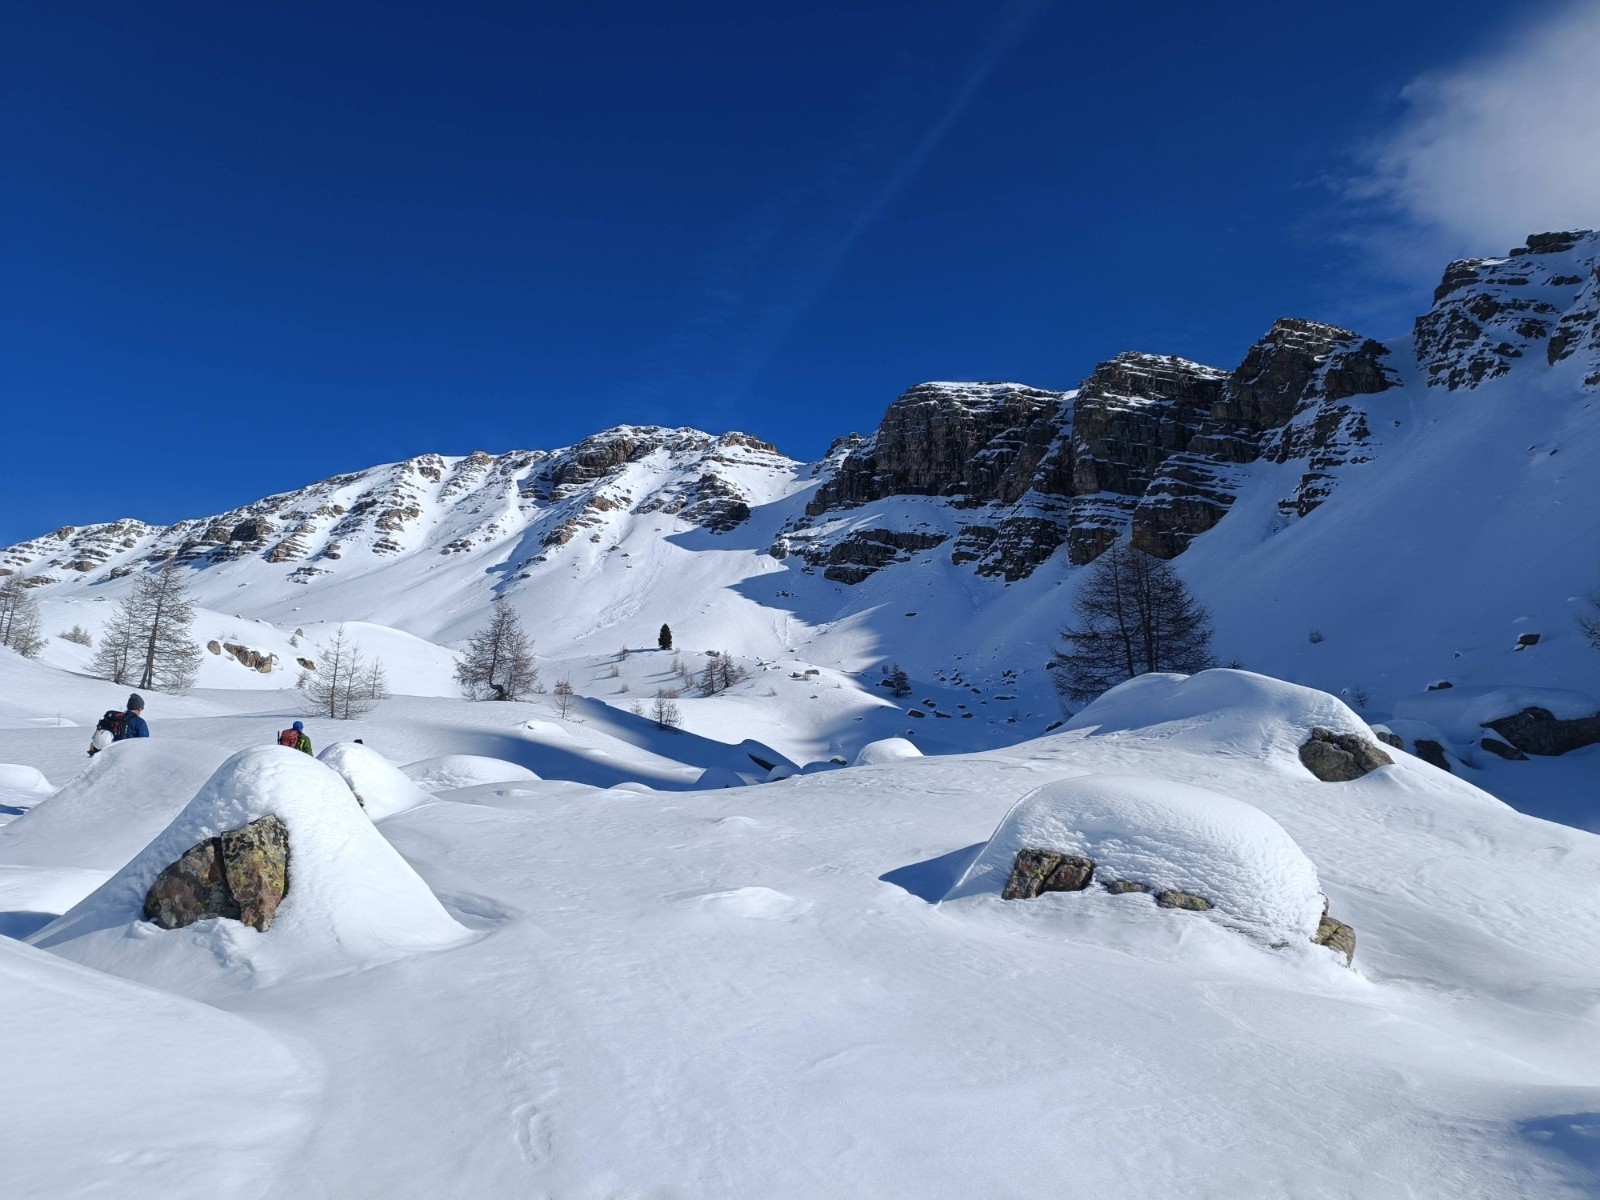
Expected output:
(250, 246)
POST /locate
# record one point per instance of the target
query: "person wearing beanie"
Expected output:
(135, 726)
(295, 738)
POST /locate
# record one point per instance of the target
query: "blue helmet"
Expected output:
(299, 727)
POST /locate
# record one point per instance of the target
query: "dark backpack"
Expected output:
(115, 723)
(290, 738)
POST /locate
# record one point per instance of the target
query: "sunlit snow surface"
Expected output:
(538, 986)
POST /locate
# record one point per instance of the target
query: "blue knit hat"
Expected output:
(299, 726)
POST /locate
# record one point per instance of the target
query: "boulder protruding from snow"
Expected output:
(1341, 757)
(241, 875)
(1539, 731)
(1201, 850)
(1038, 871)
(1336, 935)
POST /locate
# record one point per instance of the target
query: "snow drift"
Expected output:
(352, 900)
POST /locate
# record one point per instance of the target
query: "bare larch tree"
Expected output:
(1133, 615)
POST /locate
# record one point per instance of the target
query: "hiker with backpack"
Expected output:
(295, 737)
(118, 725)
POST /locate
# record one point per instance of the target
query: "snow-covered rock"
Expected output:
(1168, 837)
(719, 777)
(351, 900)
(382, 788)
(886, 750)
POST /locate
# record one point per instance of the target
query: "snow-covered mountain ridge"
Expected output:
(1428, 499)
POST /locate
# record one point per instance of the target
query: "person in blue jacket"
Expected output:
(134, 726)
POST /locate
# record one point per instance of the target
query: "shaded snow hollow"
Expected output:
(352, 899)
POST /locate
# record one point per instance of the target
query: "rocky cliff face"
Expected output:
(996, 477)
(1542, 298)
(997, 452)
(1149, 446)
(436, 505)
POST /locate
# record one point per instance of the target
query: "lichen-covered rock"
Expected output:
(241, 875)
(191, 889)
(1341, 757)
(1391, 739)
(1336, 935)
(1539, 731)
(1121, 887)
(1040, 871)
(1184, 900)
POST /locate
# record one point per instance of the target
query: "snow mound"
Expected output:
(1168, 836)
(1227, 711)
(452, 771)
(719, 777)
(381, 786)
(15, 778)
(885, 751)
(754, 904)
(352, 900)
(21, 788)
(109, 811)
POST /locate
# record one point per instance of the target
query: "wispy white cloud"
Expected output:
(1493, 149)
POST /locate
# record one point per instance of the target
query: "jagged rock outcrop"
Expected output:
(1544, 297)
(240, 875)
(1131, 415)
(1284, 402)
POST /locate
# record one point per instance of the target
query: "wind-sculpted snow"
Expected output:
(351, 899)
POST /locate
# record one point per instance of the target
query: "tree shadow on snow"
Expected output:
(930, 879)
